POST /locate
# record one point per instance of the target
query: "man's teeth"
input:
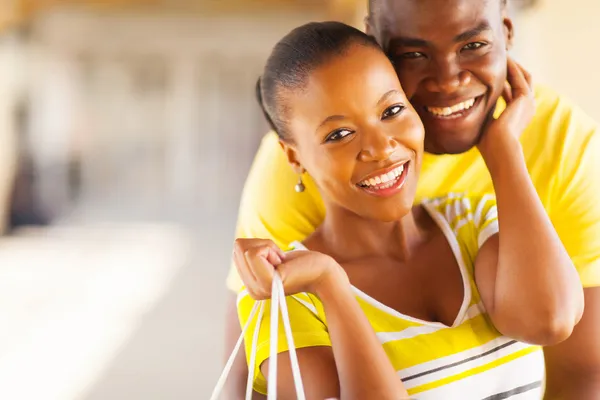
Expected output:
(383, 181)
(447, 111)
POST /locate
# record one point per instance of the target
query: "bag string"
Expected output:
(278, 301)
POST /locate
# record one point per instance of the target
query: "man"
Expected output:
(451, 57)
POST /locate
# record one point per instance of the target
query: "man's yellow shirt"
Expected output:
(562, 150)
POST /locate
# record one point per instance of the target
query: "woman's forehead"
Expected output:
(360, 69)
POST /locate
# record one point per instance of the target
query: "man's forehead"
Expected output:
(417, 18)
(412, 6)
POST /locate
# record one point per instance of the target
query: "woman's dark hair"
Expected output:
(292, 60)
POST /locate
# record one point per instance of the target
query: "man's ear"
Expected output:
(509, 29)
(292, 156)
(369, 28)
(368, 25)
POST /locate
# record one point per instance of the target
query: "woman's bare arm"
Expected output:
(356, 366)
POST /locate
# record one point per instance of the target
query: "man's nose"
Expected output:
(447, 77)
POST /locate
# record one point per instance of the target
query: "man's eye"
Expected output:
(411, 55)
(338, 135)
(392, 111)
(474, 46)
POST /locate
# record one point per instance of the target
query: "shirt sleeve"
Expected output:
(270, 208)
(485, 218)
(308, 329)
(575, 210)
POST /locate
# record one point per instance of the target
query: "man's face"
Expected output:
(450, 56)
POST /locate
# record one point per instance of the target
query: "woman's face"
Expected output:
(353, 130)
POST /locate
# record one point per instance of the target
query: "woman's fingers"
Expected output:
(255, 260)
(244, 270)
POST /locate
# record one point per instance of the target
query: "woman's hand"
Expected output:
(300, 271)
(504, 133)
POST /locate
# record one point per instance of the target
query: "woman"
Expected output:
(386, 298)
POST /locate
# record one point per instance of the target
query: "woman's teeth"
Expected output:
(447, 111)
(383, 181)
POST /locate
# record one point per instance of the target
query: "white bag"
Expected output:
(277, 301)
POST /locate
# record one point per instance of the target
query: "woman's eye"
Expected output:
(473, 46)
(338, 135)
(392, 111)
(411, 55)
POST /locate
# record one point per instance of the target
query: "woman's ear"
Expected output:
(292, 156)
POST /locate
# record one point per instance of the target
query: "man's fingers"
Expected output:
(527, 75)
(517, 81)
(507, 93)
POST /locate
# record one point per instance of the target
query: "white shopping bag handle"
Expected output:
(277, 302)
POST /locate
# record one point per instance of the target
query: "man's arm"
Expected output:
(527, 281)
(573, 366)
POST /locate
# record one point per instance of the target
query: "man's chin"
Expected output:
(451, 145)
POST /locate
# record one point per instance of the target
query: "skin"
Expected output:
(446, 52)
(342, 133)
(439, 70)
(445, 71)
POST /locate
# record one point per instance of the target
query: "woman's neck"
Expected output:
(347, 236)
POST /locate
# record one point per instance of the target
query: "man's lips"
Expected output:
(453, 110)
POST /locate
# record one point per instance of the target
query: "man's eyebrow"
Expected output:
(408, 42)
(471, 33)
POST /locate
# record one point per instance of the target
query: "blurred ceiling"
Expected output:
(16, 12)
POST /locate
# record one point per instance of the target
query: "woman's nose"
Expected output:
(378, 146)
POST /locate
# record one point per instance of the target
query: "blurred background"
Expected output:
(127, 128)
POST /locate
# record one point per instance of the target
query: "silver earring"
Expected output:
(300, 185)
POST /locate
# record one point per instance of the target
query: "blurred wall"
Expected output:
(11, 52)
(558, 41)
(152, 113)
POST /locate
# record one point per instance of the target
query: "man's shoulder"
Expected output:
(558, 121)
(546, 93)
(269, 148)
(559, 111)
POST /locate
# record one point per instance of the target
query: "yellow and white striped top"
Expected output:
(468, 360)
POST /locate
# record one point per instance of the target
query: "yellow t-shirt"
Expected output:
(562, 150)
(468, 360)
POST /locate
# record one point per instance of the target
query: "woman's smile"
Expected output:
(385, 182)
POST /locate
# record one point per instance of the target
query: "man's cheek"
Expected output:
(496, 67)
(409, 82)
